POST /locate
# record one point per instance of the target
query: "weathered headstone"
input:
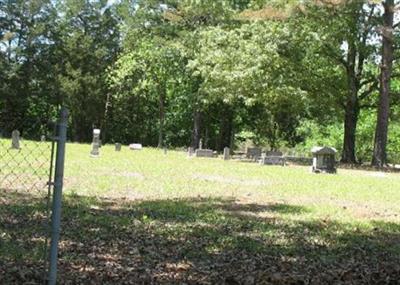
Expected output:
(165, 150)
(273, 158)
(201, 144)
(43, 138)
(96, 143)
(324, 160)
(204, 153)
(118, 147)
(226, 153)
(135, 146)
(253, 152)
(15, 139)
(190, 151)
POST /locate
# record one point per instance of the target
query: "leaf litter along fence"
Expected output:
(30, 169)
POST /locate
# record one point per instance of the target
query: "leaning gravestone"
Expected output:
(118, 147)
(96, 143)
(226, 153)
(135, 146)
(204, 153)
(15, 139)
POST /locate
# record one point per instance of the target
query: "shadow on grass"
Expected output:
(198, 241)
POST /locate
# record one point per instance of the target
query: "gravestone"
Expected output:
(135, 146)
(96, 143)
(43, 138)
(190, 151)
(253, 152)
(15, 140)
(324, 160)
(165, 151)
(226, 153)
(273, 158)
(118, 147)
(201, 144)
(204, 153)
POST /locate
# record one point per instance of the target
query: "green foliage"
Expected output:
(168, 72)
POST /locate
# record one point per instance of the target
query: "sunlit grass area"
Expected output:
(147, 216)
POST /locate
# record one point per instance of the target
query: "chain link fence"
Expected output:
(26, 159)
(30, 168)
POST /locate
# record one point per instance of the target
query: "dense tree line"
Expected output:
(282, 74)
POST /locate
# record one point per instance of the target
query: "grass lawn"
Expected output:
(143, 217)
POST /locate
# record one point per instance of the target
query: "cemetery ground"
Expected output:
(145, 217)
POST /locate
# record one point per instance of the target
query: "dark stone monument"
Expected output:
(324, 160)
(118, 147)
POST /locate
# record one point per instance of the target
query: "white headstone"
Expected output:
(96, 143)
(135, 146)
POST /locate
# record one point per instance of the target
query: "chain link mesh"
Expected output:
(26, 154)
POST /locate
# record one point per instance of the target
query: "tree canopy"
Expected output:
(281, 74)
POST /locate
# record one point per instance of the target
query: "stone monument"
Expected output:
(15, 140)
(226, 153)
(324, 160)
(96, 143)
(204, 153)
(190, 151)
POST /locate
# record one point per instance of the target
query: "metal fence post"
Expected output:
(57, 194)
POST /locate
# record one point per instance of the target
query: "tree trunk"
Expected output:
(162, 119)
(379, 157)
(350, 127)
(352, 110)
(196, 129)
(104, 125)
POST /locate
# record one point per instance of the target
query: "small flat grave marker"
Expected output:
(135, 146)
(272, 158)
(204, 153)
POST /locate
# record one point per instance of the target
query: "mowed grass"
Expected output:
(145, 217)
